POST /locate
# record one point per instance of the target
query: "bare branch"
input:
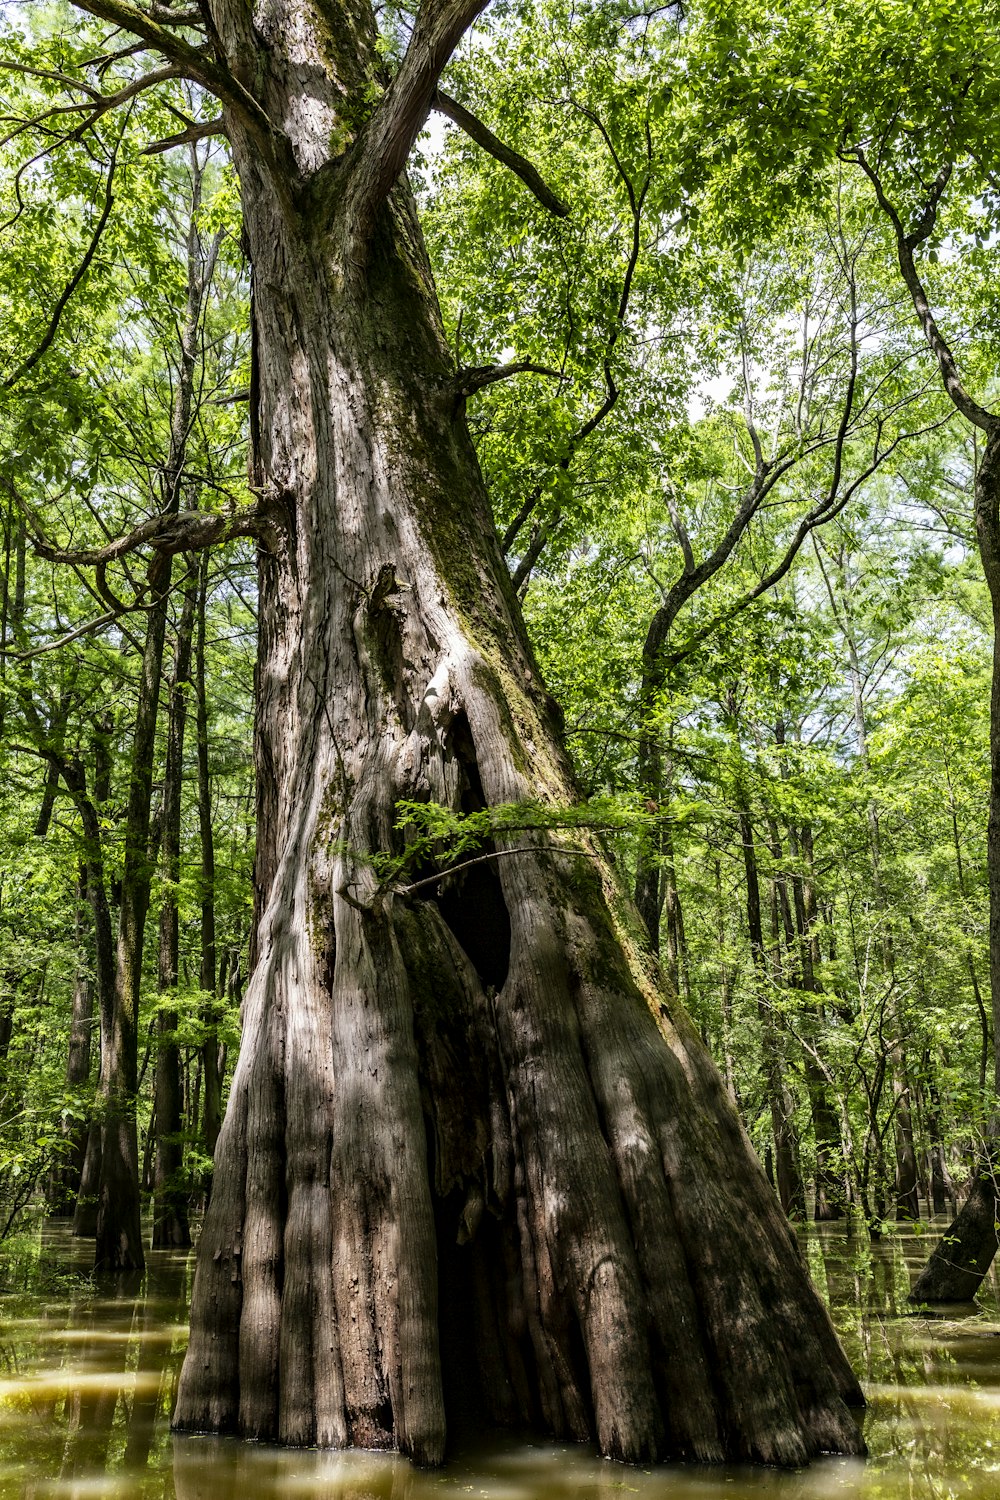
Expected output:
(169, 533)
(477, 377)
(522, 572)
(826, 509)
(677, 522)
(199, 132)
(170, 17)
(481, 859)
(483, 136)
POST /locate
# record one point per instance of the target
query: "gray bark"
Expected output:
(478, 1082)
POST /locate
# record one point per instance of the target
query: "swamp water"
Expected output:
(87, 1385)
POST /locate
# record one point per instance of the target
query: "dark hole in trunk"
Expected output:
(461, 1354)
(472, 903)
(474, 909)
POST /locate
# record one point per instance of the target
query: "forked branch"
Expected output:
(191, 62)
(386, 141)
(478, 377)
(906, 243)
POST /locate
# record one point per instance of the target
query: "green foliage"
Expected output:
(720, 306)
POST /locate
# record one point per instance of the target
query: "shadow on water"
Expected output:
(87, 1383)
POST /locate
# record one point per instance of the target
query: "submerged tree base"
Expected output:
(482, 1177)
(965, 1253)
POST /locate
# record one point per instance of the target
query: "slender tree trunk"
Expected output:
(965, 1253)
(786, 1176)
(66, 1179)
(74, 775)
(119, 1232)
(831, 1181)
(670, 908)
(727, 976)
(119, 1235)
(942, 1187)
(907, 1203)
(473, 1079)
(212, 1107)
(170, 1222)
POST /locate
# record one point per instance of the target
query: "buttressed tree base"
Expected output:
(468, 1145)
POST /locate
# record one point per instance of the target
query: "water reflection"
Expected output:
(87, 1384)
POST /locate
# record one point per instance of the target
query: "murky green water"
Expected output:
(87, 1386)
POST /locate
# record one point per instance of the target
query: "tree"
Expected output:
(472, 1066)
(925, 139)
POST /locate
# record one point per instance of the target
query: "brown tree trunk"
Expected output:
(474, 1077)
(942, 1187)
(212, 1078)
(907, 1203)
(676, 958)
(119, 1235)
(727, 976)
(64, 1188)
(786, 1174)
(170, 1221)
(831, 1179)
(119, 1231)
(74, 776)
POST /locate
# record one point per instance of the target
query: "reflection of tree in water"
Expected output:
(158, 1355)
(216, 1468)
(92, 1398)
(87, 1381)
(89, 1387)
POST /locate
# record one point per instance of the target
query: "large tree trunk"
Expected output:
(477, 1082)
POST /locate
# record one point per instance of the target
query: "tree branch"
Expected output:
(81, 271)
(477, 377)
(169, 17)
(978, 415)
(825, 510)
(385, 142)
(536, 547)
(483, 136)
(92, 107)
(636, 202)
(179, 531)
(191, 61)
(198, 132)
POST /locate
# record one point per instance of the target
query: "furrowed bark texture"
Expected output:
(467, 1152)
